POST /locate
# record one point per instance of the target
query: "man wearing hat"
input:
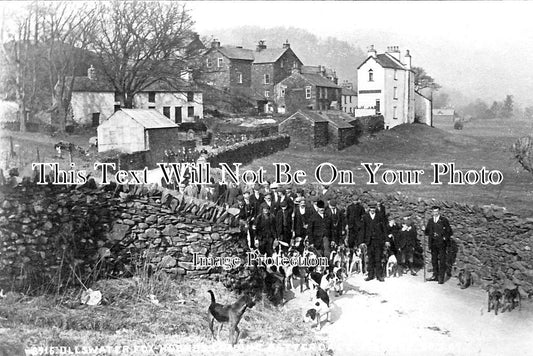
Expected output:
(405, 244)
(302, 214)
(265, 230)
(374, 237)
(256, 198)
(284, 225)
(439, 233)
(282, 196)
(354, 220)
(318, 230)
(337, 223)
(274, 189)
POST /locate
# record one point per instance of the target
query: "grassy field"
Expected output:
(127, 317)
(407, 147)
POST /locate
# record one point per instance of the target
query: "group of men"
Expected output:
(278, 217)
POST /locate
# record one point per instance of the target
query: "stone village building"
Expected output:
(247, 71)
(320, 128)
(302, 91)
(385, 82)
(349, 98)
(94, 100)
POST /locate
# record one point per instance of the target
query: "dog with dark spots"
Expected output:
(230, 313)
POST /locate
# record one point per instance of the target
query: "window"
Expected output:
(308, 92)
(370, 75)
(395, 93)
(166, 111)
(282, 92)
(350, 99)
(325, 93)
(220, 62)
(190, 111)
(378, 106)
(151, 107)
(320, 93)
(151, 97)
(190, 96)
(267, 93)
(394, 112)
(208, 62)
(281, 63)
(96, 119)
(395, 74)
(239, 78)
(267, 78)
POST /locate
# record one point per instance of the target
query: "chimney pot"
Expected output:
(286, 44)
(261, 46)
(372, 51)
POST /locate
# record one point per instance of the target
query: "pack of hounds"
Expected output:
(321, 281)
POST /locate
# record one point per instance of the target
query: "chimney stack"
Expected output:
(215, 43)
(91, 73)
(261, 46)
(394, 51)
(407, 59)
(372, 51)
(286, 44)
(296, 69)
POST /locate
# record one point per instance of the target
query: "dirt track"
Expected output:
(405, 316)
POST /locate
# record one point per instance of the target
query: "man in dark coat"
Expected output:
(354, 216)
(439, 232)
(318, 230)
(374, 237)
(405, 244)
(337, 222)
(265, 230)
(302, 214)
(284, 225)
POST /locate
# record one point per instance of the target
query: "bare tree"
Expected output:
(46, 48)
(66, 32)
(523, 152)
(139, 43)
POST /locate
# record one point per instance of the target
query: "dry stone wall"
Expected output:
(51, 236)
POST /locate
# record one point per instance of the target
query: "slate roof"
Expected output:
(320, 81)
(237, 53)
(337, 118)
(149, 118)
(101, 85)
(346, 91)
(387, 61)
(268, 55)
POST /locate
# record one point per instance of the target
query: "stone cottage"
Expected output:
(94, 99)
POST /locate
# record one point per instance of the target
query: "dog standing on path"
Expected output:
(231, 314)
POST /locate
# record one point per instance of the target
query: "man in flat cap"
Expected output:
(406, 244)
(284, 225)
(318, 230)
(337, 223)
(374, 237)
(439, 233)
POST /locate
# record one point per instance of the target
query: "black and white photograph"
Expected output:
(266, 178)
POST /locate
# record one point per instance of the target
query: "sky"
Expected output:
(484, 49)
